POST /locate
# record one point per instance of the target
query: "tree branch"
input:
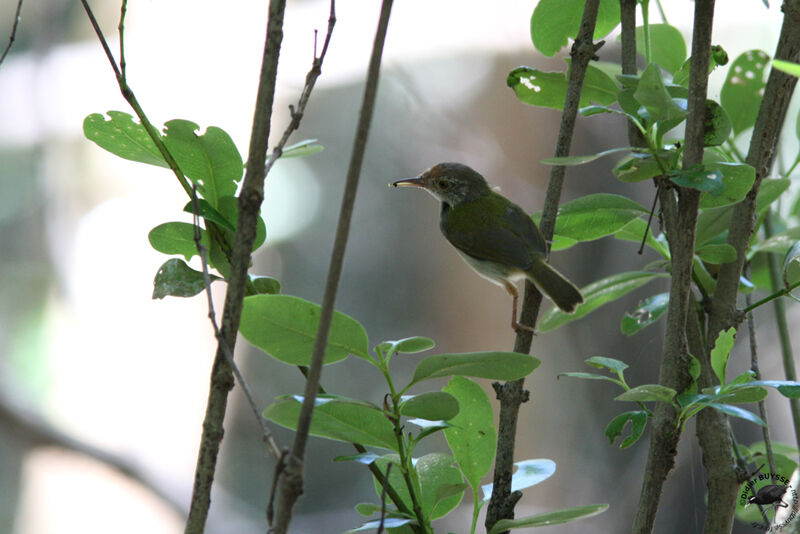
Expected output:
(250, 198)
(292, 476)
(13, 32)
(511, 394)
(680, 217)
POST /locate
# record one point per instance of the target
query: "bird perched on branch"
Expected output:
(493, 235)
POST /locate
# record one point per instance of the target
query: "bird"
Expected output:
(493, 235)
(770, 494)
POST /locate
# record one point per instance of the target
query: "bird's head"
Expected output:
(452, 183)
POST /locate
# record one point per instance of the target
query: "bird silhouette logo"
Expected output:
(769, 495)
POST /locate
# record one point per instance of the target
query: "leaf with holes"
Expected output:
(175, 278)
(121, 136)
(743, 89)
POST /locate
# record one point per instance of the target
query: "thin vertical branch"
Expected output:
(13, 32)
(784, 336)
(680, 207)
(512, 394)
(249, 208)
(292, 477)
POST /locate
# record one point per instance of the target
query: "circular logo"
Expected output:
(776, 497)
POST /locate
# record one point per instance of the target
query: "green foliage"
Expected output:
(741, 92)
(285, 327)
(667, 46)
(554, 21)
(549, 89)
(549, 518)
(177, 279)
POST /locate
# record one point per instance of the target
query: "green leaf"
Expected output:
(601, 362)
(392, 523)
(788, 388)
(737, 180)
(366, 458)
(717, 124)
(473, 437)
(667, 47)
(431, 406)
(648, 392)
(721, 352)
(207, 211)
(717, 254)
(564, 515)
(638, 420)
(491, 365)
(266, 285)
(713, 221)
(598, 294)
(791, 266)
(779, 243)
(211, 160)
(637, 168)
(176, 238)
(590, 376)
(635, 230)
(337, 418)
(648, 312)
(554, 21)
(549, 89)
(700, 178)
(123, 137)
(735, 411)
(229, 208)
(580, 160)
(652, 94)
(742, 91)
(285, 327)
(409, 345)
(529, 473)
(594, 216)
(434, 471)
(177, 279)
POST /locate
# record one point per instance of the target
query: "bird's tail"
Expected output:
(553, 284)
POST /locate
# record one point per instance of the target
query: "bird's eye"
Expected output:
(442, 184)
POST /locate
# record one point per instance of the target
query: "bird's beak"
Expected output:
(409, 182)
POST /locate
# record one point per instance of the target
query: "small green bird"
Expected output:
(493, 235)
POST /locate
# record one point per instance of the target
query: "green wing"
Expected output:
(493, 229)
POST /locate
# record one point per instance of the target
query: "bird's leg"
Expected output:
(512, 290)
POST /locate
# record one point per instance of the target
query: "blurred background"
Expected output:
(91, 367)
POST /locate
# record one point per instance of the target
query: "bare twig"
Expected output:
(266, 434)
(13, 32)
(512, 394)
(292, 481)
(127, 93)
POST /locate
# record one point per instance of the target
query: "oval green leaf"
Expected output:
(337, 418)
(528, 473)
(431, 406)
(473, 437)
(491, 365)
(791, 266)
(646, 393)
(285, 327)
(558, 517)
(648, 312)
(737, 180)
(598, 294)
(176, 238)
(741, 93)
(667, 46)
(717, 254)
(123, 137)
